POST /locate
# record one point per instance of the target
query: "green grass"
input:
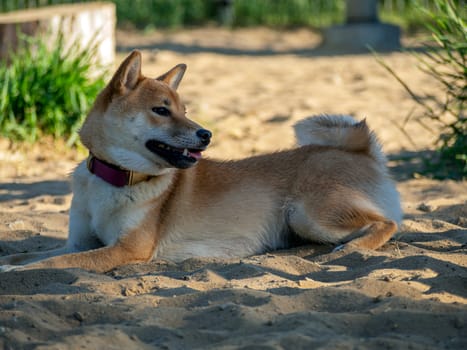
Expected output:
(46, 90)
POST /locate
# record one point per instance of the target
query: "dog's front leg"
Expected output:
(98, 260)
(79, 239)
(134, 247)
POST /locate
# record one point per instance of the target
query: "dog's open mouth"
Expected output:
(178, 157)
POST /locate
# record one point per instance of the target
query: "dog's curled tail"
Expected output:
(340, 131)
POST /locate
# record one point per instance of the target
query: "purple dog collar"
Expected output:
(113, 174)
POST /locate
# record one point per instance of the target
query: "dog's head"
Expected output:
(139, 123)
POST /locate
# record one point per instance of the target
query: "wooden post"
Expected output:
(86, 23)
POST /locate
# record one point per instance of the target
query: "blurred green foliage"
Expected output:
(144, 14)
(285, 13)
(149, 14)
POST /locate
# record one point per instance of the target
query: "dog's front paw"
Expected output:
(339, 248)
(8, 268)
(346, 247)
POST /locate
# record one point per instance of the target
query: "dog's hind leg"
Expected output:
(372, 236)
(342, 224)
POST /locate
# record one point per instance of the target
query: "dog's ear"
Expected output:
(173, 76)
(128, 74)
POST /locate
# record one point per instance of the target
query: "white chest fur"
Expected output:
(108, 210)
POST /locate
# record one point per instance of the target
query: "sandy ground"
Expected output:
(249, 87)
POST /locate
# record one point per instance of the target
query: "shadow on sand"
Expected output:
(16, 190)
(183, 48)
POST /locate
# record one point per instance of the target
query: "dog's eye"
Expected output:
(162, 111)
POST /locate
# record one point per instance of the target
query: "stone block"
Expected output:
(356, 37)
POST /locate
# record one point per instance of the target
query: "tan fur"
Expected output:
(333, 189)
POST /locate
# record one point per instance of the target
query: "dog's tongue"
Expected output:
(193, 154)
(197, 155)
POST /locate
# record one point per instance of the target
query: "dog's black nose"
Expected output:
(204, 135)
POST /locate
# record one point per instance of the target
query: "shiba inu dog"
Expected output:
(146, 191)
